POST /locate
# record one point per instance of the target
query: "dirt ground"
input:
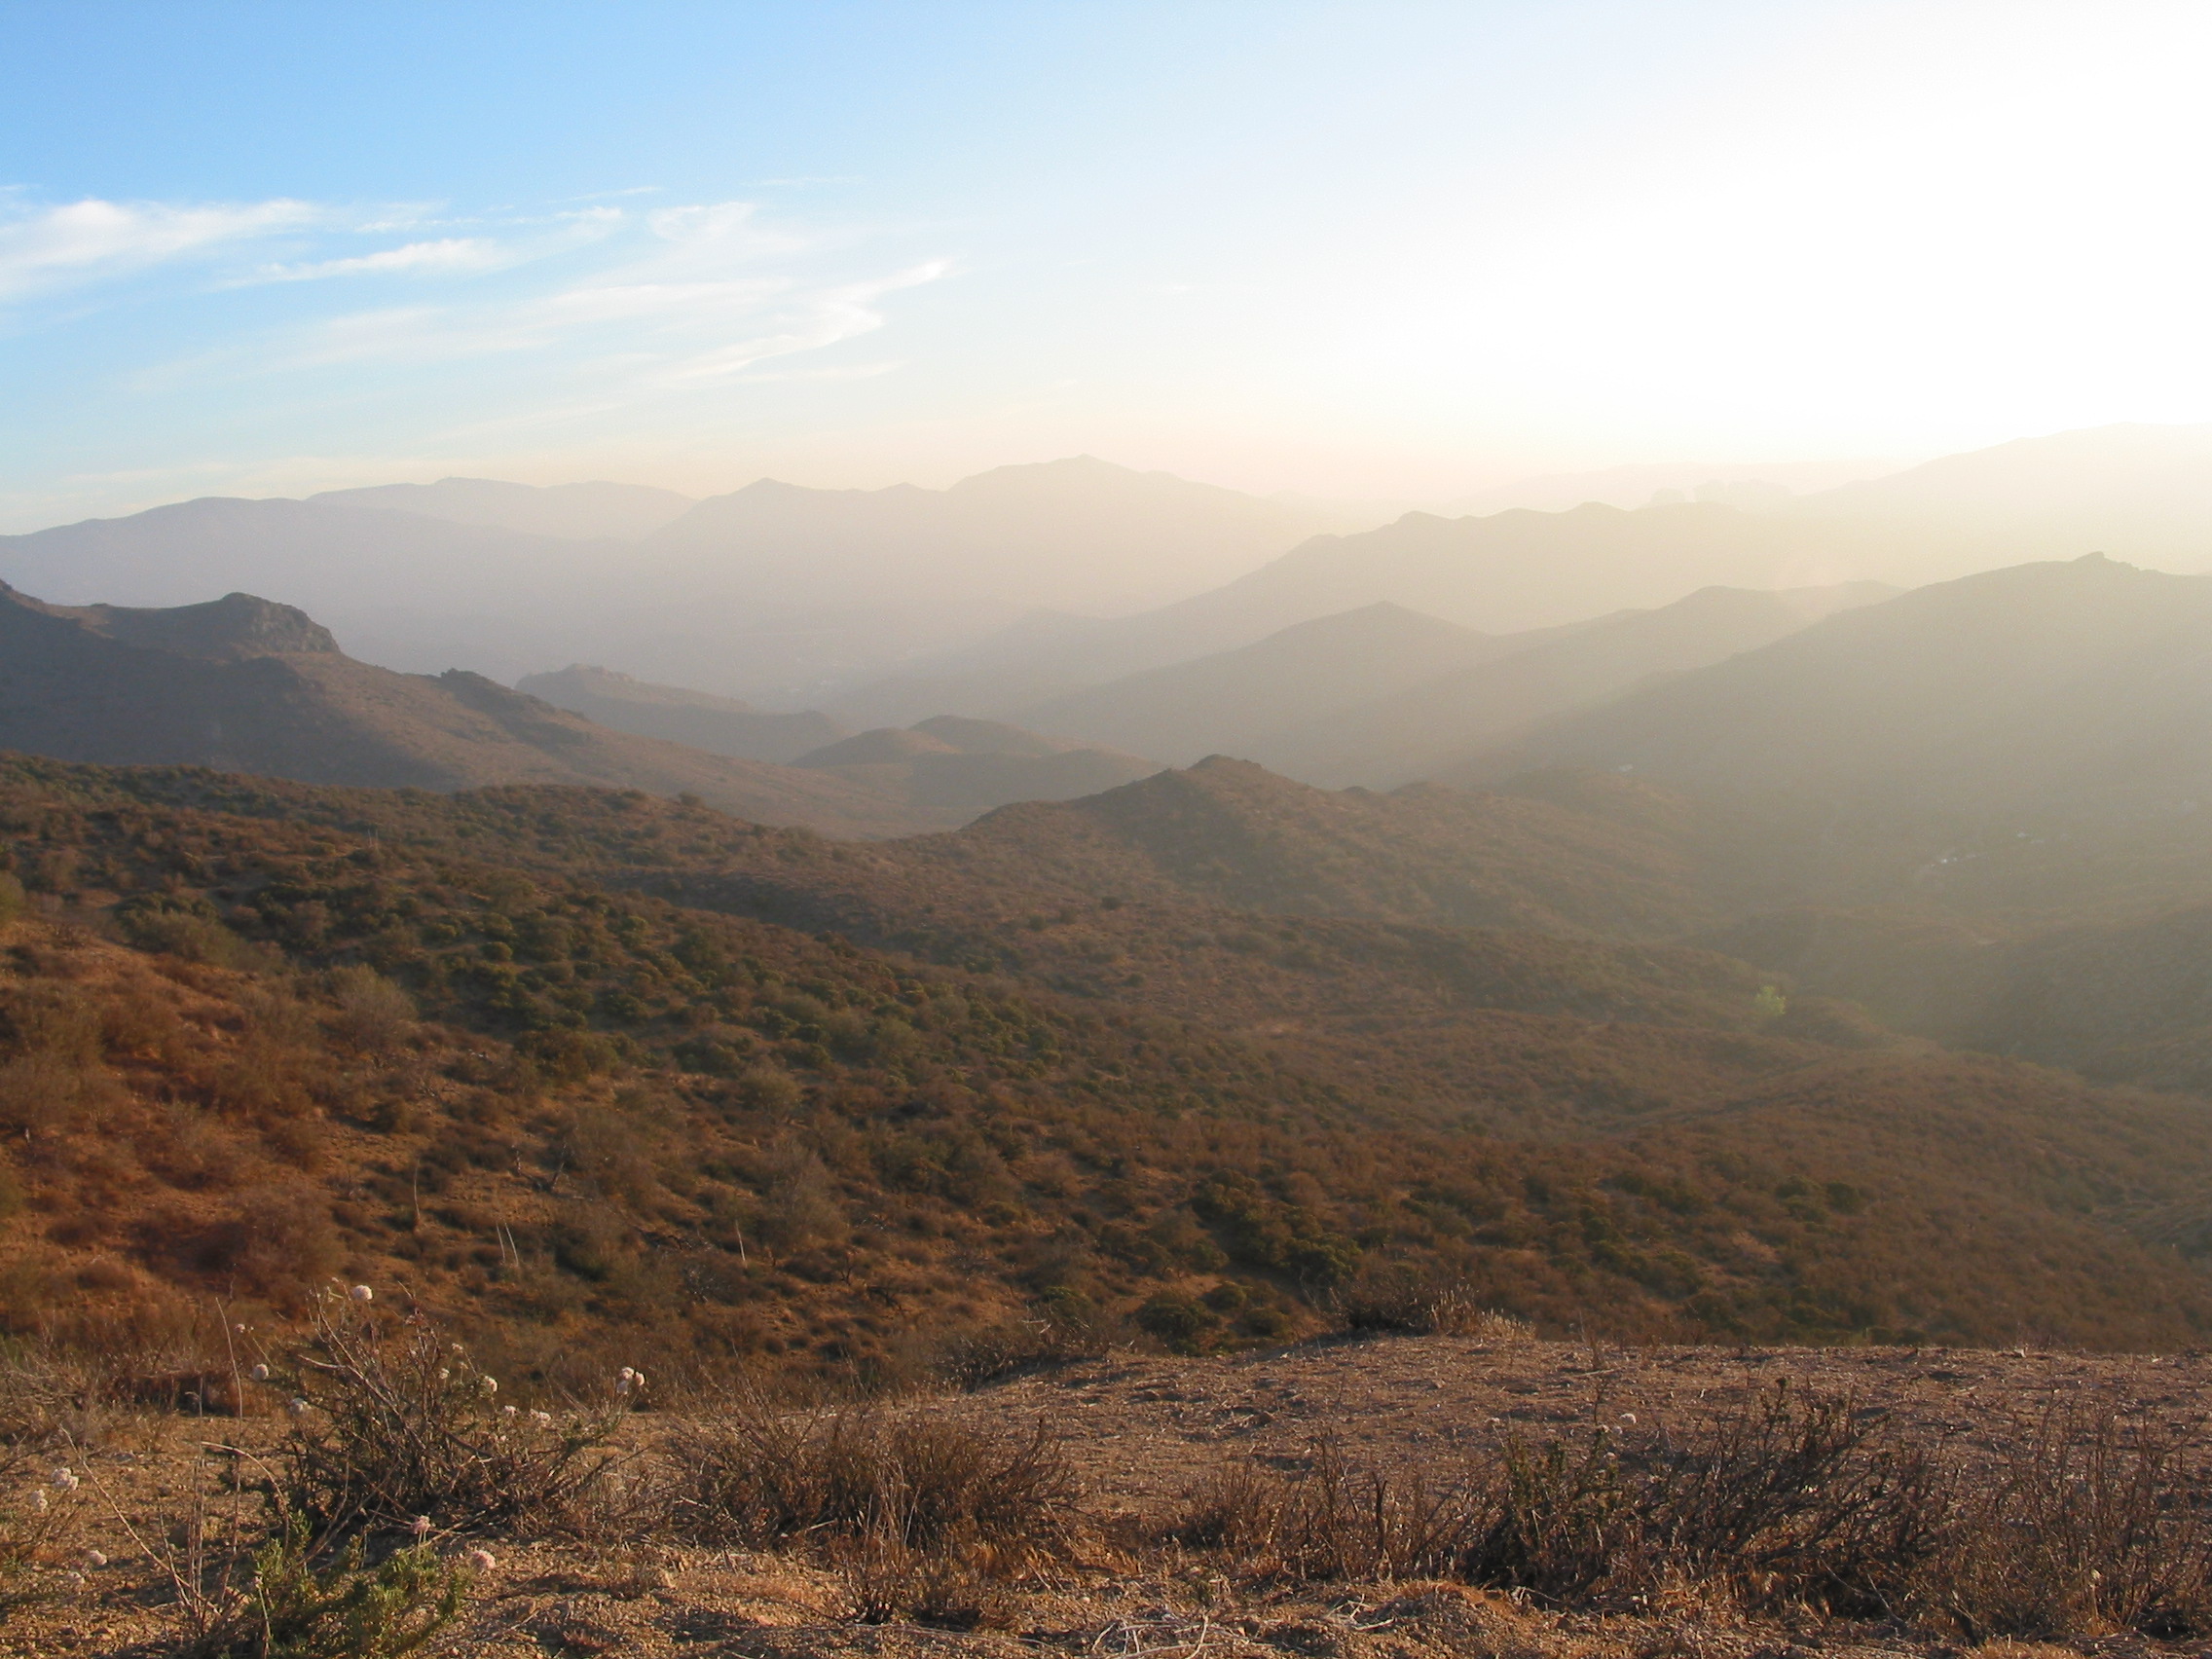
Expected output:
(1141, 1431)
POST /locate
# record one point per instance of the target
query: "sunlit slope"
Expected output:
(703, 1136)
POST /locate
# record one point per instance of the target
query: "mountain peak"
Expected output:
(236, 626)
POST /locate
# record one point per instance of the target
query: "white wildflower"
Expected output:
(490, 1384)
(421, 1526)
(363, 1293)
(483, 1561)
(260, 1373)
(93, 1558)
(297, 1406)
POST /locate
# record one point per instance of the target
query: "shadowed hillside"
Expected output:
(957, 767)
(251, 686)
(1426, 731)
(2050, 694)
(1232, 702)
(720, 725)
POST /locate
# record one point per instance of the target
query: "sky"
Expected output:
(1367, 250)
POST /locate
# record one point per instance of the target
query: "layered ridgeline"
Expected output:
(765, 594)
(722, 725)
(1385, 696)
(246, 685)
(2040, 695)
(556, 1061)
(2137, 493)
(1027, 583)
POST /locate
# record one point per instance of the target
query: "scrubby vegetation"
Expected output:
(469, 1050)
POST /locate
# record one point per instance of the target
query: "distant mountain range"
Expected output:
(2137, 493)
(242, 684)
(569, 512)
(764, 594)
(965, 767)
(1038, 587)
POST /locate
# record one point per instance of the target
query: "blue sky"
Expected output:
(1360, 249)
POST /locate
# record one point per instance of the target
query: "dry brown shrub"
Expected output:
(47, 1092)
(373, 1016)
(919, 1475)
(395, 1421)
(2091, 1522)
(1330, 1521)
(1398, 1296)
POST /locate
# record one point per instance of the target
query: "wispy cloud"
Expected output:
(534, 316)
(453, 254)
(710, 290)
(67, 245)
(825, 318)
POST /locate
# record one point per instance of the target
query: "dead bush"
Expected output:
(2094, 1521)
(1330, 1522)
(392, 1420)
(910, 1478)
(1782, 1500)
(1397, 1296)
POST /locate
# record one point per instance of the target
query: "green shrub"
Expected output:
(347, 1609)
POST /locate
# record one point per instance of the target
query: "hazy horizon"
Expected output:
(1402, 253)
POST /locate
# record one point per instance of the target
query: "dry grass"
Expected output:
(925, 1515)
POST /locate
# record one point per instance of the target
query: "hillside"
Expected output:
(2138, 492)
(465, 1048)
(1424, 730)
(720, 725)
(246, 685)
(2033, 698)
(1228, 703)
(1234, 833)
(949, 768)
